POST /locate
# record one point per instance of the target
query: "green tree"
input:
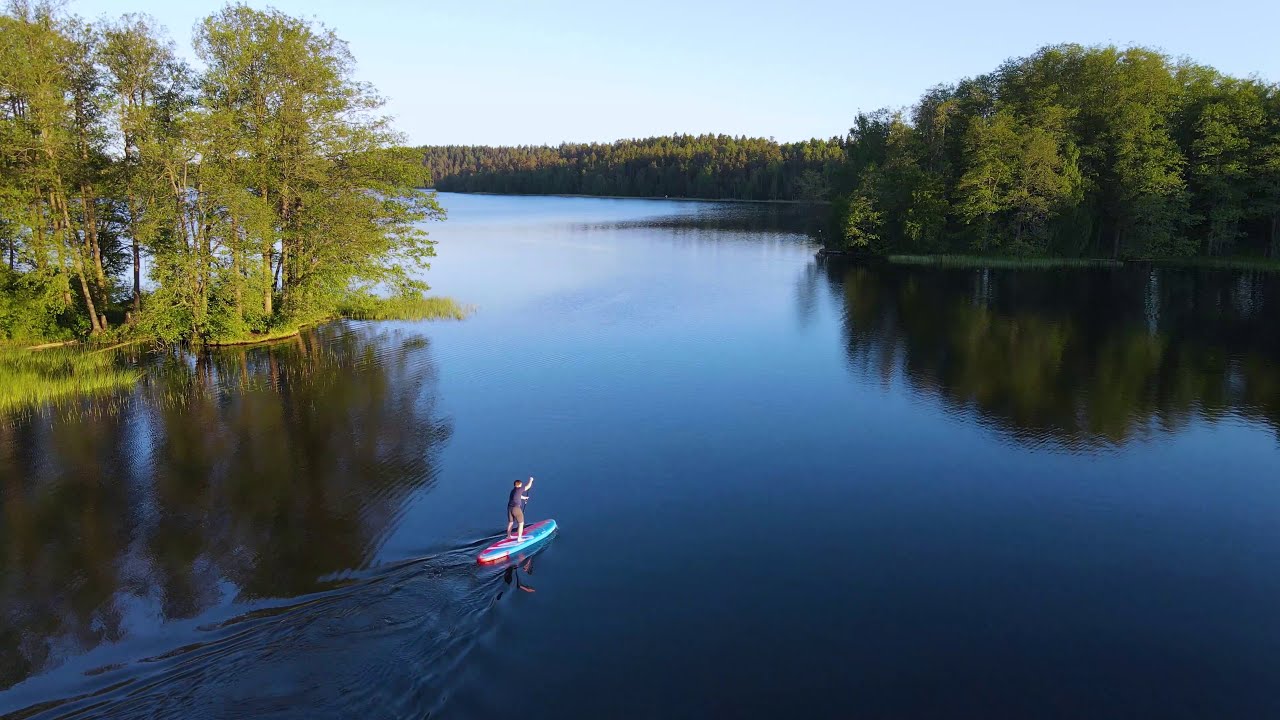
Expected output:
(147, 95)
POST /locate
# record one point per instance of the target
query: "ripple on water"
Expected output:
(386, 644)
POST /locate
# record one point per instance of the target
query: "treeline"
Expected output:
(1073, 151)
(244, 196)
(692, 166)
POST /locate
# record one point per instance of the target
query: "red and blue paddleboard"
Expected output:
(506, 547)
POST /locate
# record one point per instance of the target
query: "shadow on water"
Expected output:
(1073, 358)
(734, 219)
(230, 508)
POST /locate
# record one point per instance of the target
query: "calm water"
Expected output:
(785, 488)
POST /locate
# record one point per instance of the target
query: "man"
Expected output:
(515, 508)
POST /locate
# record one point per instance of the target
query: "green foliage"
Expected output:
(1018, 177)
(861, 223)
(29, 311)
(701, 166)
(1073, 151)
(261, 190)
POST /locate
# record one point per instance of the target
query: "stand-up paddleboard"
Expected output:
(506, 547)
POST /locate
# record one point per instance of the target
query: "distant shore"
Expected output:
(642, 197)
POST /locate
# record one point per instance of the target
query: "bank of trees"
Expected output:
(695, 166)
(251, 193)
(1073, 151)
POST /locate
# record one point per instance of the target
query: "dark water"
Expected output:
(785, 488)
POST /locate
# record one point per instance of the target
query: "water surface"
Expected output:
(784, 487)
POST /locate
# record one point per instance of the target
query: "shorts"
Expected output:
(515, 514)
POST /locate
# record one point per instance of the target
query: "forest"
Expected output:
(144, 197)
(687, 166)
(1074, 151)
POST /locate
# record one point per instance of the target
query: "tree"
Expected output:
(53, 152)
(147, 86)
(112, 150)
(1019, 179)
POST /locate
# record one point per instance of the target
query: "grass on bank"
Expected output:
(360, 307)
(57, 372)
(34, 377)
(1011, 263)
(1016, 263)
(402, 307)
(1236, 263)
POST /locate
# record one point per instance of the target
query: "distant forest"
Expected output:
(691, 166)
(1073, 151)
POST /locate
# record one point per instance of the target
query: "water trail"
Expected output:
(383, 644)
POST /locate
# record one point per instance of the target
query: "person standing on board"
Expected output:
(515, 508)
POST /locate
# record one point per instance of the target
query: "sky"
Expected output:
(492, 72)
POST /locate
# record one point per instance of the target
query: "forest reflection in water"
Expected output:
(1075, 358)
(229, 476)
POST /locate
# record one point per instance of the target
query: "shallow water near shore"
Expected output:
(784, 486)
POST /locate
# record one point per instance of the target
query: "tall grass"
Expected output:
(255, 338)
(1238, 263)
(32, 378)
(1011, 263)
(402, 307)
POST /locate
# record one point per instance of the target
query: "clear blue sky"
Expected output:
(546, 71)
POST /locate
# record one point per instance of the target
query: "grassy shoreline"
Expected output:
(980, 261)
(367, 308)
(1242, 263)
(1032, 263)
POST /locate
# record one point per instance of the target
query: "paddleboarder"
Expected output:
(515, 508)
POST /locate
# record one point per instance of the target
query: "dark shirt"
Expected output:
(515, 500)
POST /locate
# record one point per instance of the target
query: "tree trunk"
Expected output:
(266, 271)
(137, 253)
(284, 271)
(58, 202)
(206, 266)
(1115, 247)
(1275, 236)
(91, 234)
(88, 301)
(286, 225)
(267, 287)
(37, 227)
(235, 268)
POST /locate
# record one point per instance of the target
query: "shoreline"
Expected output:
(1031, 263)
(638, 197)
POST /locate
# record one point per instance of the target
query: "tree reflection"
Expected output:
(1076, 357)
(240, 474)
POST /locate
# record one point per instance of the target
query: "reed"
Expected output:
(1011, 263)
(402, 307)
(32, 378)
(1234, 263)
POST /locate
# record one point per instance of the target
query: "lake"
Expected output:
(786, 487)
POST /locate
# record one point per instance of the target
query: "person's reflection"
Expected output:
(513, 573)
